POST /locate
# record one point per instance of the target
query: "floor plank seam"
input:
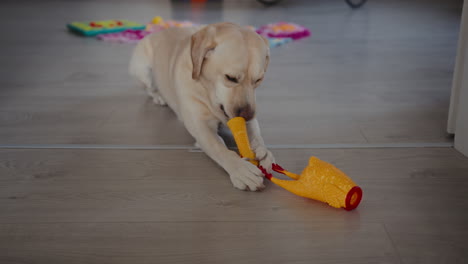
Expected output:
(195, 149)
(400, 259)
(175, 221)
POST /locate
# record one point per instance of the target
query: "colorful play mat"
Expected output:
(124, 31)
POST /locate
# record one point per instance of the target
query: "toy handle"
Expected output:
(239, 132)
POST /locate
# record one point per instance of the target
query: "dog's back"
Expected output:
(162, 53)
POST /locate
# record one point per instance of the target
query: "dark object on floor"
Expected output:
(351, 3)
(355, 3)
(269, 2)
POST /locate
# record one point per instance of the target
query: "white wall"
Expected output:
(458, 114)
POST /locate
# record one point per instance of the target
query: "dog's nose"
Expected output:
(246, 112)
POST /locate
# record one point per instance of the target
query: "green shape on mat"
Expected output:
(93, 28)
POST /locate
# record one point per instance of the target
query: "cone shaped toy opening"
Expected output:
(353, 198)
(319, 180)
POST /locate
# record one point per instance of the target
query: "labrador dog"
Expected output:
(206, 76)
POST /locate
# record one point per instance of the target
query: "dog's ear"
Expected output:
(267, 43)
(202, 42)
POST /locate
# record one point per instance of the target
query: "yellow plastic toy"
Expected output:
(319, 180)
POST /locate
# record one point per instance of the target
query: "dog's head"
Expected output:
(230, 61)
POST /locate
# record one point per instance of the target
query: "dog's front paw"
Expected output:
(265, 158)
(246, 176)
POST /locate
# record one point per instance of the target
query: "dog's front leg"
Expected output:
(258, 145)
(244, 175)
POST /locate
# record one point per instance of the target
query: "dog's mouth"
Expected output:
(224, 111)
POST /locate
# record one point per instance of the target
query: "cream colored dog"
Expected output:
(207, 76)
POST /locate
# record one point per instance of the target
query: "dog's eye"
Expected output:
(259, 80)
(232, 79)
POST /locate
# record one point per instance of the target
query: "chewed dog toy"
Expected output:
(319, 180)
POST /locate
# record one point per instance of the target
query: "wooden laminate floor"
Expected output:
(377, 76)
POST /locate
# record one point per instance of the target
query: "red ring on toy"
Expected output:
(277, 168)
(265, 172)
(353, 198)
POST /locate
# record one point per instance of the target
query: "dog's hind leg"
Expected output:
(140, 69)
(157, 98)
